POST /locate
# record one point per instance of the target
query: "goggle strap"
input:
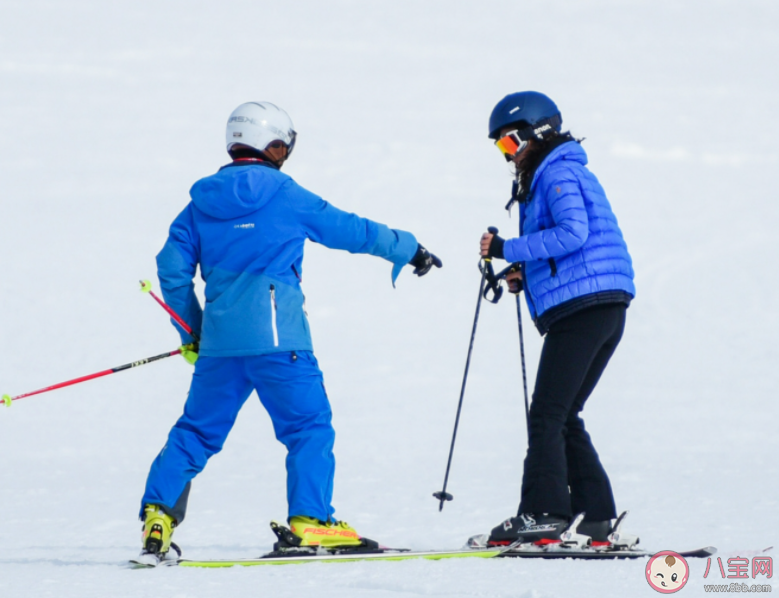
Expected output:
(536, 131)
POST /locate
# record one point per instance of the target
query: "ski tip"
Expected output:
(700, 553)
(145, 286)
(7, 400)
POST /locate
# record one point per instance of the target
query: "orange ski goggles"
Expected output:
(511, 144)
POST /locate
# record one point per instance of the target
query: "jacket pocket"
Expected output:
(273, 310)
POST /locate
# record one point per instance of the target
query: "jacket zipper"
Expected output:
(526, 288)
(553, 266)
(522, 268)
(273, 316)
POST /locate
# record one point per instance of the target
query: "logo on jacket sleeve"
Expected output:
(247, 225)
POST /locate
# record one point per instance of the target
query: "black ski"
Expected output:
(573, 545)
(555, 551)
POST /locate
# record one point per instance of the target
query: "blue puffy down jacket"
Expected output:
(246, 226)
(570, 242)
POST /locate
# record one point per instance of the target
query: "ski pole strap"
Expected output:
(493, 290)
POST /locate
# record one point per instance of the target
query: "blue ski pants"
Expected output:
(291, 389)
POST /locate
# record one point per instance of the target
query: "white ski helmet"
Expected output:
(258, 124)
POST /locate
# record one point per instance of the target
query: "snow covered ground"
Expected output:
(110, 111)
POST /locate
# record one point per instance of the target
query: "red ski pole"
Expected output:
(8, 399)
(146, 288)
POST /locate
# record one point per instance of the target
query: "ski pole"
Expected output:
(146, 288)
(443, 495)
(522, 359)
(8, 399)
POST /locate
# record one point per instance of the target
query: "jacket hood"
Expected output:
(236, 191)
(571, 151)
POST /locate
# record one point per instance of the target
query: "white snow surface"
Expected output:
(109, 111)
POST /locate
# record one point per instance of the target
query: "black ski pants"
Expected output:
(563, 474)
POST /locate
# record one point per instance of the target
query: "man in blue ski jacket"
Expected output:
(246, 227)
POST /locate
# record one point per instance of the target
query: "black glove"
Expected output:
(515, 286)
(423, 260)
(496, 247)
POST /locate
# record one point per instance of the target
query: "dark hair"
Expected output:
(536, 152)
(244, 151)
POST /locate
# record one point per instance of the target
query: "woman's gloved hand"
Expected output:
(492, 245)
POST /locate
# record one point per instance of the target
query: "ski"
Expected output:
(434, 555)
(573, 545)
(385, 555)
(287, 551)
(554, 551)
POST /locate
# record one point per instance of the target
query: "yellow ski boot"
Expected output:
(158, 529)
(313, 532)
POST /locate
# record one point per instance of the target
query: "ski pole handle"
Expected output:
(146, 288)
(7, 400)
(493, 230)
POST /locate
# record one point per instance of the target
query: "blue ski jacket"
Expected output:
(570, 242)
(246, 227)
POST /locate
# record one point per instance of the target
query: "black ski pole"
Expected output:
(522, 358)
(443, 495)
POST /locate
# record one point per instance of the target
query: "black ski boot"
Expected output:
(527, 527)
(597, 530)
(604, 534)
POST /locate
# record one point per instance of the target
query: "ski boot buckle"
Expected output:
(619, 539)
(571, 538)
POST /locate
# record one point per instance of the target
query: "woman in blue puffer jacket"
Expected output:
(577, 275)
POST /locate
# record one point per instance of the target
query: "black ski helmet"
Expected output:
(533, 113)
